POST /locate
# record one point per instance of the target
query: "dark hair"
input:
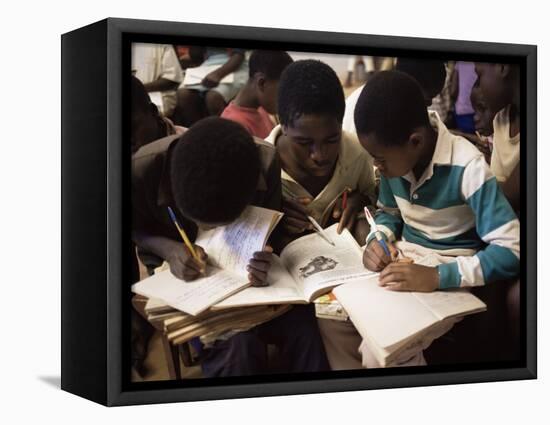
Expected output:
(271, 63)
(391, 105)
(214, 170)
(430, 74)
(140, 100)
(310, 87)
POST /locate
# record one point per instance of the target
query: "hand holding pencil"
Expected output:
(379, 252)
(189, 262)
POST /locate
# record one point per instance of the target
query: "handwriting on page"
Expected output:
(240, 240)
(190, 297)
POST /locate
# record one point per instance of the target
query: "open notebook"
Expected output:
(229, 249)
(307, 268)
(391, 322)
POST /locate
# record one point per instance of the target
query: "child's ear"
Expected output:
(260, 80)
(503, 70)
(416, 139)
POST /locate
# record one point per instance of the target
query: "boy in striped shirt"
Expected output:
(436, 191)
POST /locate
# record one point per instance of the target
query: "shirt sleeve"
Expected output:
(496, 224)
(388, 218)
(171, 69)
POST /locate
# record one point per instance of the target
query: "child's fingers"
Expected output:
(257, 278)
(260, 265)
(376, 248)
(295, 225)
(304, 200)
(386, 277)
(337, 211)
(394, 252)
(397, 286)
(294, 206)
(347, 221)
(373, 261)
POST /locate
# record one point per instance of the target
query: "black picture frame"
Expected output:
(95, 232)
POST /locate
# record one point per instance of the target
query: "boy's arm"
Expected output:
(496, 224)
(388, 218)
(170, 72)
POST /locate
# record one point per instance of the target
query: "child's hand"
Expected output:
(184, 266)
(295, 219)
(259, 265)
(374, 256)
(347, 216)
(409, 277)
(211, 80)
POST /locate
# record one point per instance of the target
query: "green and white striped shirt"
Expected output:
(456, 205)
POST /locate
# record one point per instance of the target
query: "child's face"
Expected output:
(391, 161)
(267, 95)
(492, 85)
(483, 116)
(315, 143)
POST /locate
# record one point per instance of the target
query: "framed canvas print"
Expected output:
(251, 212)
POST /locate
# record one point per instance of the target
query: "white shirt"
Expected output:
(505, 154)
(153, 61)
(348, 123)
(353, 170)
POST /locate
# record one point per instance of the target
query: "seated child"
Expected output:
(208, 176)
(436, 191)
(196, 100)
(499, 84)
(147, 124)
(258, 98)
(157, 66)
(319, 161)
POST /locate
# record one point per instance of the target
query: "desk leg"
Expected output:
(171, 354)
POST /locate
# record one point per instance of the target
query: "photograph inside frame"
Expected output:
(296, 212)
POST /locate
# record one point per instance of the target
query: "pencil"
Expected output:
(376, 232)
(320, 230)
(186, 240)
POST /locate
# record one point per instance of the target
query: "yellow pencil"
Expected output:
(186, 240)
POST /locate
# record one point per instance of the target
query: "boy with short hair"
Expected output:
(319, 161)
(499, 84)
(436, 191)
(258, 98)
(208, 176)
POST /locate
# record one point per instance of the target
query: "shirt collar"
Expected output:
(443, 149)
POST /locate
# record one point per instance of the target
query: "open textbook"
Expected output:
(393, 322)
(307, 268)
(229, 250)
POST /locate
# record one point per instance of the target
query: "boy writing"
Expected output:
(436, 191)
(208, 176)
(258, 98)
